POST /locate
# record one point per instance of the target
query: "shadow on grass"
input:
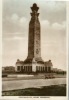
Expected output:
(54, 90)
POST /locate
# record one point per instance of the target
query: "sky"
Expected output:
(15, 28)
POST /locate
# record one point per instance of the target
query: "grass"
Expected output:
(54, 90)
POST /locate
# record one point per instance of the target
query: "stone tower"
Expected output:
(34, 38)
(34, 50)
(34, 62)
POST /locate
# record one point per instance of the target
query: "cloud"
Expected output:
(50, 10)
(58, 26)
(18, 38)
(58, 6)
(53, 38)
(45, 24)
(17, 17)
(14, 18)
(13, 24)
(14, 38)
(23, 20)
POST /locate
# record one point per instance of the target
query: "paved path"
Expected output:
(21, 84)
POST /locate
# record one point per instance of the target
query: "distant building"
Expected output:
(7, 69)
(56, 70)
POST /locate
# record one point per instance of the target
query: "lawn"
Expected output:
(54, 90)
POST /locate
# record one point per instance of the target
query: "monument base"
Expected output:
(33, 65)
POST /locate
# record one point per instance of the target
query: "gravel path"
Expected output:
(21, 84)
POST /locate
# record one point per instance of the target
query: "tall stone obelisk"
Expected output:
(34, 62)
(34, 38)
(34, 50)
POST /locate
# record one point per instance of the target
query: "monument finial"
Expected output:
(34, 7)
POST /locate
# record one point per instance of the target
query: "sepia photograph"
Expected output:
(34, 48)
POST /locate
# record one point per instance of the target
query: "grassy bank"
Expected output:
(55, 90)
